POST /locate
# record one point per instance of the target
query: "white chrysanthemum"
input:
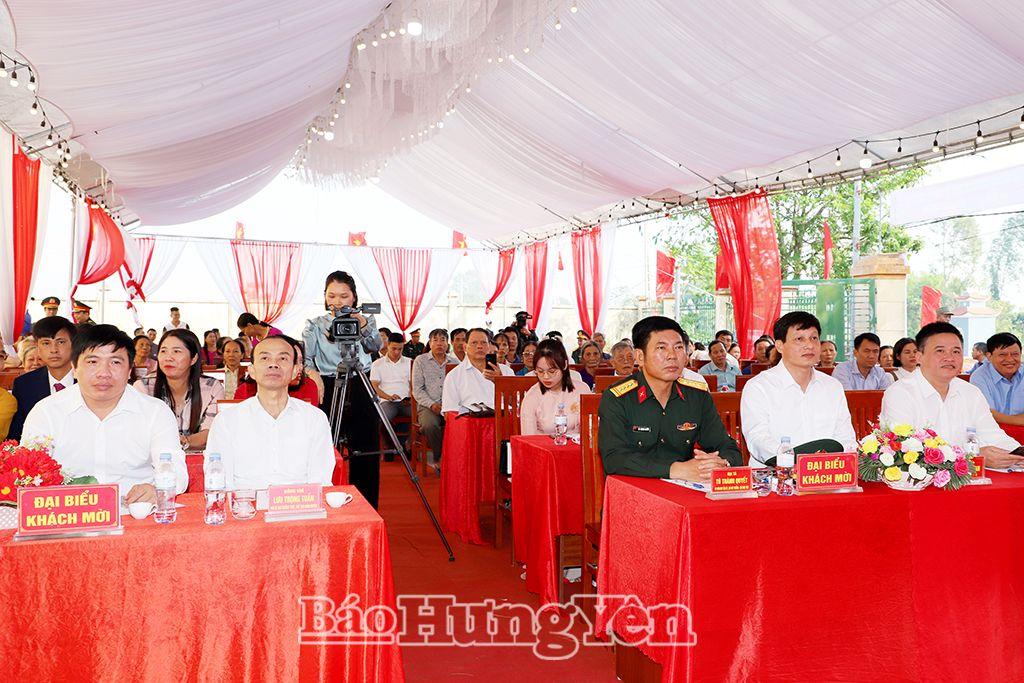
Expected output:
(912, 445)
(887, 459)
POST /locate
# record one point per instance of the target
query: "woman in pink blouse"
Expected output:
(554, 386)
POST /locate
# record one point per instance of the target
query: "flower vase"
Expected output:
(8, 517)
(905, 483)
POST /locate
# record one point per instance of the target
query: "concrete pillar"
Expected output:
(889, 271)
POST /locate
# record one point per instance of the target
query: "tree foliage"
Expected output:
(1005, 253)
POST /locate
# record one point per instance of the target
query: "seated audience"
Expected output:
(581, 339)
(904, 357)
(828, 354)
(700, 352)
(458, 337)
(590, 356)
(600, 341)
(885, 357)
(273, 438)
(231, 353)
(306, 385)
(513, 346)
(143, 362)
(793, 399)
(501, 350)
(979, 352)
(725, 336)
(151, 333)
(528, 355)
(554, 387)
(862, 372)
(935, 397)
(762, 353)
(210, 355)
(735, 351)
(623, 360)
(428, 373)
(471, 384)
(8, 407)
(179, 382)
(102, 427)
(390, 377)
(414, 347)
(725, 373)
(30, 358)
(652, 422)
(1001, 379)
(54, 338)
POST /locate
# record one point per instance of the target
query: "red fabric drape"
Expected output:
(536, 276)
(25, 195)
(586, 264)
(134, 283)
(827, 247)
(506, 259)
(267, 275)
(405, 273)
(104, 250)
(721, 278)
(750, 256)
(931, 299)
(665, 279)
(357, 239)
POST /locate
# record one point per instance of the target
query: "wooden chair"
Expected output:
(741, 380)
(727, 403)
(965, 377)
(593, 488)
(508, 399)
(698, 364)
(712, 382)
(864, 409)
(7, 378)
(604, 370)
(755, 368)
(827, 371)
(602, 382)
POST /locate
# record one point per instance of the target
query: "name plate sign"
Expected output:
(295, 501)
(978, 475)
(826, 473)
(731, 482)
(55, 511)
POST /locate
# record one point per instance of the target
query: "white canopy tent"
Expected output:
(192, 108)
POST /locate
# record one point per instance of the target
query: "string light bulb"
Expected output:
(14, 79)
(361, 45)
(35, 108)
(3, 69)
(391, 33)
(574, 9)
(414, 27)
(935, 143)
(777, 177)
(31, 83)
(347, 85)
(329, 135)
(899, 150)
(49, 139)
(558, 24)
(865, 160)
(839, 158)
(979, 137)
(810, 173)
(374, 42)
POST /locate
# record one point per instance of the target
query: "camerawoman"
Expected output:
(348, 333)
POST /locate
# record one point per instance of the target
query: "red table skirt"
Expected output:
(547, 502)
(1014, 432)
(196, 478)
(468, 470)
(877, 586)
(192, 602)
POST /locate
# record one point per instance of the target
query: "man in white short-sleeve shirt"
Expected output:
(102, 427)
(472, 381)
(933, 396)
(391, 378)
(272, 438)
(793, 399)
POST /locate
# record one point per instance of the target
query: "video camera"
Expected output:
(345, 328)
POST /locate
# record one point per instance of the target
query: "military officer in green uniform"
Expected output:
(652, 421)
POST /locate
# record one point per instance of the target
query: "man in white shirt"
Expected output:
(933, 396)
(391, 378)
(623, 359)
(862, 372)
(104, 428)
(472, 382)
(459, 343)
(175, 323)
(793, 399)
(55, 335)
(273, 439)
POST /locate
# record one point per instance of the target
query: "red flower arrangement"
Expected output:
(28, 465)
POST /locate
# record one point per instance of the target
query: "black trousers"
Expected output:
(360, 425)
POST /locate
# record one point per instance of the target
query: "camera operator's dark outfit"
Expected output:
(361, 422)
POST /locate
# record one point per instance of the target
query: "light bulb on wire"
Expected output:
(558, 24)
(810, 173)
(414, 27)
(865, 160)
(839, 159)
(935, 143)
(979, 137)
(35, 108)
(31, 83)
(14, 79)
(574, 9)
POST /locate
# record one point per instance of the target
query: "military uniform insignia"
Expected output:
(693, 384)
(641, 394)
(641, 428)
(619, 390)
(686, 427)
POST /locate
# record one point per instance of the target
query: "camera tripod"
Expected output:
(348, 367)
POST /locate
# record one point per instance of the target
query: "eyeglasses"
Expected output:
(528, 353)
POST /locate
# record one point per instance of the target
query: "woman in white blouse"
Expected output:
(231, 352)
(554, 386)
(179, 382)
(904, 358)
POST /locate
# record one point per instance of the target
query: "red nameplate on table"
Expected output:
(53, 511)
(826, 473)
(731, 482)
(295, 501)
(978, 475)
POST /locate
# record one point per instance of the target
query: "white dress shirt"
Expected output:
(394, 378)
(902, 373)
(65, 381)
(123, 448)
(773, 405)
(914, 401)
(259, 451)
(465, 385)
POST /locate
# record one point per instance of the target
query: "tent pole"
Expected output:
(71, 265)
(856, 220)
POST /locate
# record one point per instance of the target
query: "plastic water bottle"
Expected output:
(561, 425)
(214, 488)
(166, 483)
(784, 462)
(972, 447)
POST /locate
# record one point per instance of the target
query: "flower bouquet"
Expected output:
(910, 459)
(28, 464)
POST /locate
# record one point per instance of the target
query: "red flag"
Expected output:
(827, 246)
(666, 277)
(357, 239)
(931, 299)
(239, 231)
(458, 240)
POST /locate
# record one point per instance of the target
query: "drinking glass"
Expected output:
(243, 504)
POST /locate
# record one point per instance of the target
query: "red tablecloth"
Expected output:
(547, 502)
(1014, 432)
(468, 469)
(196, 478)
(187, 601)
(877, 586)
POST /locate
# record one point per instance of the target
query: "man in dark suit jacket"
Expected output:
(54, 337)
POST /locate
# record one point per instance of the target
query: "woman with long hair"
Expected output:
(904, 357)
(210, 352)
(255, 329)
(554, 386)
(179, 382)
